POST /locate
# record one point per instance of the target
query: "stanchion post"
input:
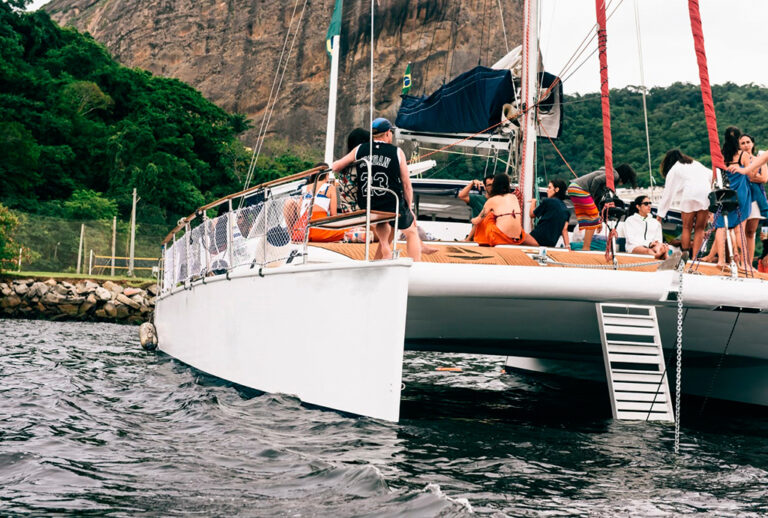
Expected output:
(114, 235)
(133, 234)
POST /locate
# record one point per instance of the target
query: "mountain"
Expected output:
(230, 49)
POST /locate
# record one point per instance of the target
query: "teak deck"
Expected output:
(461, 253)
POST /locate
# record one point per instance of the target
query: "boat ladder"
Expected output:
(634, 362)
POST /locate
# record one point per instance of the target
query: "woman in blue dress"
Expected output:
(739, 182)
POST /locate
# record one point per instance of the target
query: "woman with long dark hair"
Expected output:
(501, 220)
(689, 182)
(739, 182)
(553, 215)
(759, 205)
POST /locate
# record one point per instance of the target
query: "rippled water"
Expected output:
(91, 424)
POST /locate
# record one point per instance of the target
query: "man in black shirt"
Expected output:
(390, 171)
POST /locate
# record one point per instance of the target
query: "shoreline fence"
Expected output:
(51, 244)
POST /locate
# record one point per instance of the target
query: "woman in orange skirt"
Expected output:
(500, 221)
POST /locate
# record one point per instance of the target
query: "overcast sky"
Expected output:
(735, 34)
(735, 37)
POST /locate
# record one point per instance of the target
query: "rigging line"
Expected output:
(448, 72)
(462, 153)
(559, 78)
(503, 27)
(558, 152)
(642, 83)
(429, 54)
(282, 75)
(482, 34)
(719, 364)
(254, 157)
(591, 35)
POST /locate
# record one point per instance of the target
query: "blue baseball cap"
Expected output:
(381, 125)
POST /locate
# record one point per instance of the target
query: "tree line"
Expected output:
(675, 120)
(78, 131)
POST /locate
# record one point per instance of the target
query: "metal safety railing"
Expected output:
(271, 227)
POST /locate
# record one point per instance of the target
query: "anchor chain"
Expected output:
(678, 374)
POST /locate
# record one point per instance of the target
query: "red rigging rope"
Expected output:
(706, 90)
(604, 92)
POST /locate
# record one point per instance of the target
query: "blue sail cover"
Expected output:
(469, 104)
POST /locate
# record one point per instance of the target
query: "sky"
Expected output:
(735, 36)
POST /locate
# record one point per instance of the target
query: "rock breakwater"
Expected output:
(84, 300)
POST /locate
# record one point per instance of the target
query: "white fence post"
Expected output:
(80, 247)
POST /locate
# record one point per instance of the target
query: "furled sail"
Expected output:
(478, 100)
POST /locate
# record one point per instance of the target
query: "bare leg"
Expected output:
(413, 242)
(384, 250)
(719, 246)
(685, 238)
(588, 233)
(750, 229)
(700, 228)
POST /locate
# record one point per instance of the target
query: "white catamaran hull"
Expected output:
(548, 314)
(330, 334)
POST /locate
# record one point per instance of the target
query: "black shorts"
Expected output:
(404, 217)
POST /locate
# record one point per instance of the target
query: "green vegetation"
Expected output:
(78, 131)
(8, 224)
(675, 119)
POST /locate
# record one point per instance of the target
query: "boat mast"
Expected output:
(604, 92)
(332, 41)
(529, 85)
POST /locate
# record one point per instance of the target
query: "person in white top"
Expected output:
(643, 233)
(689, 183)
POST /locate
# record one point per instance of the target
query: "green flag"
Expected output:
(334, 29)
(407, 79)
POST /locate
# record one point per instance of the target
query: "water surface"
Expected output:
(91, 424)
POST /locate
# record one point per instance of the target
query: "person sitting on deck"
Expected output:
(325, 204)
(476, 202)
(587, 191)
(553, 216)
(643, 232)
(501, 220)
(390, 171)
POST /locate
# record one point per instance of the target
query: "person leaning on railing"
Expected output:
(390, 171)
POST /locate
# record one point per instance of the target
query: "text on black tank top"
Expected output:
(386, 174)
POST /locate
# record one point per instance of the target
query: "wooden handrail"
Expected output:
(271, 183)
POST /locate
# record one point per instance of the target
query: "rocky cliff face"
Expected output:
(230, 49)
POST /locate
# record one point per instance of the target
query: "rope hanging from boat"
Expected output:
(644, 90)
(268, 111)
(604, 93)
(706, 90)
(503, 27)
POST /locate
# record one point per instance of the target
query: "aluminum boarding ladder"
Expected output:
(634, 362)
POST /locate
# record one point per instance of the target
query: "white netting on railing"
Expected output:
(265, 233)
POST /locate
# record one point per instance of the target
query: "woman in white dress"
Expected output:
(688, 182)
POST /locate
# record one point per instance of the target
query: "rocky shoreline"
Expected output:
(79, 300)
